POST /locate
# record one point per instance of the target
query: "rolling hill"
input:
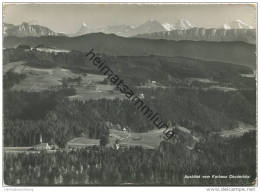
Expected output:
(229, 52)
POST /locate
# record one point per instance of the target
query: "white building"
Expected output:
(42, 146)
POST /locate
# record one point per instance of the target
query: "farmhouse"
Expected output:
(42, 146)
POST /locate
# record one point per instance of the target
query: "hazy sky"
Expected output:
(68, 17)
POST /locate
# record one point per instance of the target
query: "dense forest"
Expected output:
(51, 114)
(136, 166)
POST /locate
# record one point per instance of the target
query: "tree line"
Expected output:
(136, 166)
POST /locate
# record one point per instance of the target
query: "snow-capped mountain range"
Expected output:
(181, 24)
(152, 26)
(184, 30)
(180, 30)
(237, 24)
(202, 34)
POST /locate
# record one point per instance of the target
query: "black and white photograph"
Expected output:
(129, 94)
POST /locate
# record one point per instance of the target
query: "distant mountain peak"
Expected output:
(183, 24)
(168, 26)
(151, 22)
(83, 24)
(226, 26)
(83, 29)
(149, 26)
(238, 24)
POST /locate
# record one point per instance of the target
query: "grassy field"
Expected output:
(38, 79)
(148, 140)
(82, 142)
(239, 131)
(12, 66)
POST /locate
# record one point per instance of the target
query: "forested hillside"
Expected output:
(136, 166)
(205, 98)
(112, 45)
